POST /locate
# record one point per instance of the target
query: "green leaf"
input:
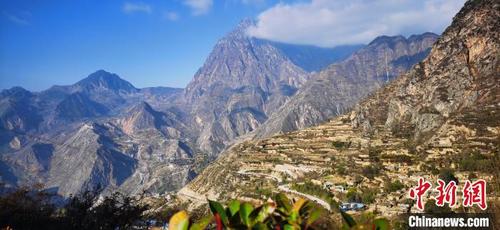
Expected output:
(202, 224)
(245, 211)
(348, 219)
(295, 213)
(217, 208)
(260, 226)
(262, 213)
(381, 224)
(283, 202)
(233, 208)
(298, 205)
(179, 221)
(291, 227)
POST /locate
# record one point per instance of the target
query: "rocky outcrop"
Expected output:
(340, 86)
(459, 75)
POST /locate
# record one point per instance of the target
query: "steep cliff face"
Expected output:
(443, 114)
(337, 88)
(459, 77)
(241, 83)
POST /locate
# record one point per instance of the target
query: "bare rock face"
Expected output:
(241, 83)
(459, 76)
(340, 86)
(88, 159)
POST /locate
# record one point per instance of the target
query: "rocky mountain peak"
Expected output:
(107, 81)
(142, 117)
(238, 60)
(15, 92)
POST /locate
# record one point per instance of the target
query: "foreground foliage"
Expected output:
(279, 214)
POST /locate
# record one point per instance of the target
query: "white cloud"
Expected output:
(139, 7)
(330, 23)
(253, 2)
(171, 16)
(199, 7)
(21, 18)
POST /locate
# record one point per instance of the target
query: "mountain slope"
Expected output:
(442, 114)
(77, 106)
(459, 75)
(241, 83)
(88, 159)
(75, 137)
(334, 90)
(17, 111)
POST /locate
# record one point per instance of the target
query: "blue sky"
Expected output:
(164, 42)
(43, 43)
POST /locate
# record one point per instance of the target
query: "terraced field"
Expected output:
(336, 154)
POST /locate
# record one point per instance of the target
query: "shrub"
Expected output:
(447, 175)
(27, 208)
(368, 196)
(283, 214)
(394, 186)
(371, 171)
(315, 190)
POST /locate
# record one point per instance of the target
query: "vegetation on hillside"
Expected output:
(26, 208)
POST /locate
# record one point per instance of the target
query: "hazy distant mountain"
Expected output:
(100, 130)
(102, 80)
(17, 110)
(313, 58)
(77, 106)
(341, 85)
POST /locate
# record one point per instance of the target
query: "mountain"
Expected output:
(77, 106)
(313, 58)
(87, 159)
(143, 118)
(441, 116)
(240, 84)
(98, 131)
(17, 111)
(102, 80)
(456, 82)
(341, 85)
